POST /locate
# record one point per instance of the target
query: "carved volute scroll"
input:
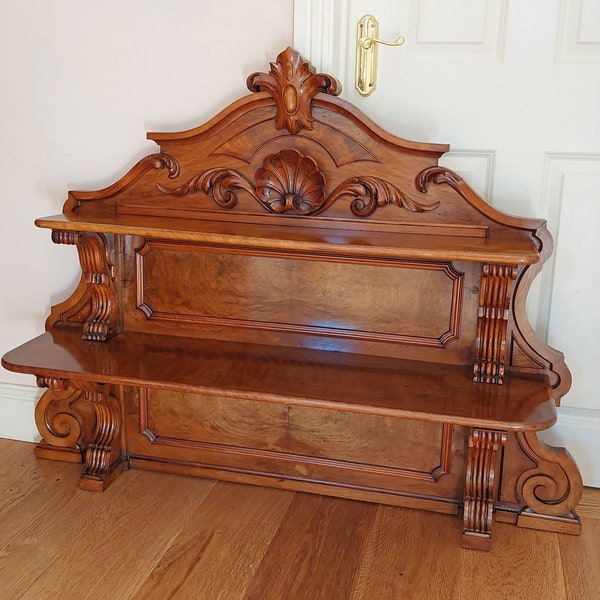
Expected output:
(94, 303)
(289, 181)
(293, 84)
(64, 420)
(492, 321)
(553, 487)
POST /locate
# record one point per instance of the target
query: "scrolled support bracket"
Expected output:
(480, 487)
(94, 303)
(104, 459)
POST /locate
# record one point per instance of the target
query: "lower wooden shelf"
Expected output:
(298, 376)
(403, 432)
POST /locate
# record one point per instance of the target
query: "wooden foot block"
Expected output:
(569, 523)
(476, 541)
(98, 483)
(49, 452)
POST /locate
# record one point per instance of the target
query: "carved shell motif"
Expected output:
(289, 180)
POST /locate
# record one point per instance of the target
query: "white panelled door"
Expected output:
(514, 87)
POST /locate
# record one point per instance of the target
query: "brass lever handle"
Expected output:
(366, 53)
(367, 42)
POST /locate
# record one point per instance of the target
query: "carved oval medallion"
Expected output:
(290, 99)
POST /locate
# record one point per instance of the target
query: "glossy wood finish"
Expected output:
(290, 296)
(298, 376)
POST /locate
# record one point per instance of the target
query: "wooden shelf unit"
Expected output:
(290, 296)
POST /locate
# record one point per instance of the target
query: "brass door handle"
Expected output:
(366, 53)
(367, 42)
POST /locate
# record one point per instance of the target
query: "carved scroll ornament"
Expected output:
(83, 416)
(290, 181)
(97, 304)
(553, 486)
(63, 418)
(293, 84)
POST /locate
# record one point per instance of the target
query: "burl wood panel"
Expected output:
(369, 439)
(268, 292)
(188, 283)
(364, 452)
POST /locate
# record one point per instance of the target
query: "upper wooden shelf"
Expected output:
(518, 248)
(298, 376)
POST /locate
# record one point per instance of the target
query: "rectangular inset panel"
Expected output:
(579, 31)
(235, 426)
(355, 298)
(476, 167)
(455, 29)
(571, 194)
(451, 21)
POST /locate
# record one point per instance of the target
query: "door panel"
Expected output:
(513, 87)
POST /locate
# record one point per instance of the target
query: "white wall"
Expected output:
(82, 82)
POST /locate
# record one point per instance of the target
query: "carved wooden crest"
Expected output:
(293, 84)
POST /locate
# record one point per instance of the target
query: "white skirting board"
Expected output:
(17, 403)
(577, 429)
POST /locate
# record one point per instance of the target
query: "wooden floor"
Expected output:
(157, 536)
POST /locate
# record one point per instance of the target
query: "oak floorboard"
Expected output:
(410, 554)
(22, 475)
(590, 503)
(101, 545)
(580, 558)
(31, 491)
(316, 552)
(217, 553)
(522, 563)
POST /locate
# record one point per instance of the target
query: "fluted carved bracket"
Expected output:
(480, 487)
(103, 456)
(553, 487)
(293, 84)
(289, 181)
(94, 302)
(492, 322)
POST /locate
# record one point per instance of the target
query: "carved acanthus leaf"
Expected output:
(219, 183)
(370, 193)
(437, 175)
(293, 83)
(290, 181)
